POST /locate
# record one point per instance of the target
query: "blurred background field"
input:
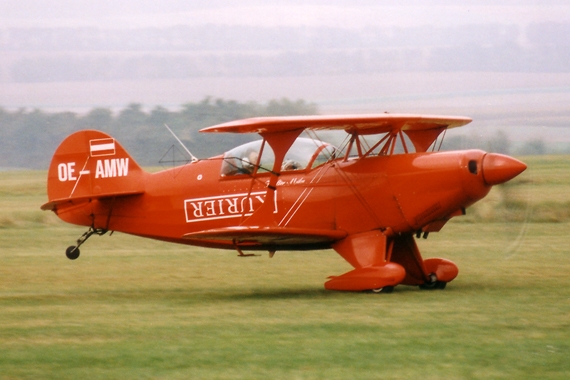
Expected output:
(136, 308)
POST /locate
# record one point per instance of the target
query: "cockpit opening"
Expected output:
(304, 154)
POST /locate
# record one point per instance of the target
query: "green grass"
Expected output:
(131, 308)
(539, 194)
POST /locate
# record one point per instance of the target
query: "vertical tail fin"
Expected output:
(89, 165)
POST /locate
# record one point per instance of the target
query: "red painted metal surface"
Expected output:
(366, 202)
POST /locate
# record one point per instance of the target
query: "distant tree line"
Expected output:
(499, 142)
(93, 54)
(28, 138)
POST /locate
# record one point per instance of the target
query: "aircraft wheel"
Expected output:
(440, 285)
(72, 252)
(386, 289)
(434, 285)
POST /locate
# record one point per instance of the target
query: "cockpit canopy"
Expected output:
(304, 154)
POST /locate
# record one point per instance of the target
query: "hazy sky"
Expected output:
(350, 13)
(508, 99)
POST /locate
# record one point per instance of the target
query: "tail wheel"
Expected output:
(72, 252)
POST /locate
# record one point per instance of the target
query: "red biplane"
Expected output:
(366, 200)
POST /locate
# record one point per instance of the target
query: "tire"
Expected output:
(440, 285)
(386, 289)
(433, 285)
(72, 252)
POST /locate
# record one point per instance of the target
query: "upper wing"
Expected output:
(422, 130)
(359, 124)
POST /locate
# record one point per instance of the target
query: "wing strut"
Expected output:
(280, 142)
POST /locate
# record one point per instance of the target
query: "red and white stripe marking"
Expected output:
(102, 147)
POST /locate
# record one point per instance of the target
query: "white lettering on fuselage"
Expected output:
(222, 207)
(113, 167)
(292, 181)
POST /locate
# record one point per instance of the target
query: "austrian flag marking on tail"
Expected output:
(102, 147)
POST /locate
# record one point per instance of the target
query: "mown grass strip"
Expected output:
(132, 308)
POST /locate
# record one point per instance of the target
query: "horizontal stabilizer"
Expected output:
(267, 236)
(52, 205)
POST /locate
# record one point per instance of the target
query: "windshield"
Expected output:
(304, 154)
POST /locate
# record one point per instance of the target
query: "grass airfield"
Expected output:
(131, 308)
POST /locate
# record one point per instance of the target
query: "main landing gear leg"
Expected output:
(370, 255)
(72, 252)
(433, 273)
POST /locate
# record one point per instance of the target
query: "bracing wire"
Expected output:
(194, 158)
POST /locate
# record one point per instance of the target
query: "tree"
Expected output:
(533, 147)
(97, 118)
(499, 143)
(132, 116)
(28, 139)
